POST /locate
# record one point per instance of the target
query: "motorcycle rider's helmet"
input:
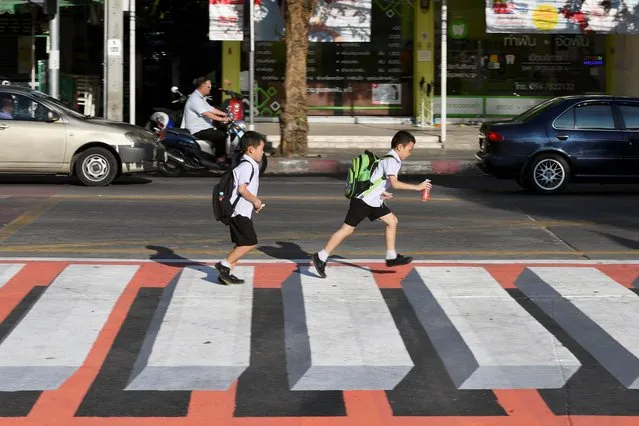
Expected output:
(161, 120)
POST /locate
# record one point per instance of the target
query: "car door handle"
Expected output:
(562, 137)
(3, 126)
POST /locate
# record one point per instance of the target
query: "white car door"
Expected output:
(34, 139)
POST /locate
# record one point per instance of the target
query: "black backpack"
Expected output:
(222, 192)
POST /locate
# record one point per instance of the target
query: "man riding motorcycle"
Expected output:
(199, 116)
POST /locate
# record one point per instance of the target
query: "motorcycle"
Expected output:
(184, 152)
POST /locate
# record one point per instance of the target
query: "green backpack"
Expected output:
(358, 180)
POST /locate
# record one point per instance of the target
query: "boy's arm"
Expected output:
(396, 184)
(246, 194)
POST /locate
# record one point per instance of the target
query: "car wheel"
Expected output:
(548, 174)
(96, 167)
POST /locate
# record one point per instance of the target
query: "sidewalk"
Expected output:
(378, 136)
(333, 146)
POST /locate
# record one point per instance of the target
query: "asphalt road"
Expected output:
(468, 217)
(520, 310)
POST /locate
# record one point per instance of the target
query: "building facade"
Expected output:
(397, 73)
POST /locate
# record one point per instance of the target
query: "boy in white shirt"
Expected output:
(246, 182)
(370, 204)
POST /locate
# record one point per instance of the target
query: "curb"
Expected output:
(285, 166)
(371, 142)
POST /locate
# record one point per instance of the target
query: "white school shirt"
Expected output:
(387, 167)
(241, 176)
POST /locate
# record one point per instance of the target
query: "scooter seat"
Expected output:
(178, 130)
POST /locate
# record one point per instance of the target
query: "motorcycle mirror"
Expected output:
(175, 89)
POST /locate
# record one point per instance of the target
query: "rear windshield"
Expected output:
(537, 109)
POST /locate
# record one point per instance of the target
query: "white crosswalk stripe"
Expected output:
(339, 331)
(484, 337)
(7, 271)
(598, 312)
(52, 341)
(204, 339)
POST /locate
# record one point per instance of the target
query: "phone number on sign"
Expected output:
(545, 86)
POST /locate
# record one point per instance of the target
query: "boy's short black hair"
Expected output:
(251, 138)
(403, 137)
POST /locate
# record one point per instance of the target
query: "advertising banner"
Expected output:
(332, 21)
(562, 16)
(226, 20)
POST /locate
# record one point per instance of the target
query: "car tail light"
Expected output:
(493, 136)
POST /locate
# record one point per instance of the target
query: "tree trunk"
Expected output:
(293, 119)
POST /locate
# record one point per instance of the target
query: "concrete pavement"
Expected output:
(333, 145)
(377, 136)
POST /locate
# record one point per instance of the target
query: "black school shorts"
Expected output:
(359, 211)
(242, 231)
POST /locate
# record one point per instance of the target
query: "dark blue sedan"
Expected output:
(570, 138)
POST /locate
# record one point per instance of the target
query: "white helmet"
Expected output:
(161, 119)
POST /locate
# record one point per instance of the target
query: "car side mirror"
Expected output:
(53, 116)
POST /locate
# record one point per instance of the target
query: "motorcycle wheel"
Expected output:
(169, 168)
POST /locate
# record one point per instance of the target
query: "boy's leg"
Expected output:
(390, 220)
(245, 239)
(357, 211)
(338, 238)
(392, 257)
(237, 253)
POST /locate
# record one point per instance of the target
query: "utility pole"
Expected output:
(444, 73)
(251, 125)
(54, 52)
(114, 78)
(132, 82)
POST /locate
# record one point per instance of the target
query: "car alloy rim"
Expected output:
(96, 168)
(549, 174)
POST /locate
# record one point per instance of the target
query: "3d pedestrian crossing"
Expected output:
(339, 332)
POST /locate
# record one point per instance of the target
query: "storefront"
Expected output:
(503, 74)
(488, 74)
(352, 78)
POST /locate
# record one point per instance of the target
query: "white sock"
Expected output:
(322, 255)
(225, 263)
(391, 254)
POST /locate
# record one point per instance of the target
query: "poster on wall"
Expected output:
(226, 20)
(386, 94)
(333, 21)
(562, 16)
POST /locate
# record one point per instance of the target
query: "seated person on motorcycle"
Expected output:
(199, 116)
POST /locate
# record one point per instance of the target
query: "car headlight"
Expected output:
(140, 137)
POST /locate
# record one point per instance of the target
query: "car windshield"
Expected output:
(536, 110)
(59, 104)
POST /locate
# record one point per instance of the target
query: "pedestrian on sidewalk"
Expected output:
(371, 204)
(246, 182)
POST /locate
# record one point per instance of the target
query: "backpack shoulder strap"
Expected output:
(375, 184)
(237, 200)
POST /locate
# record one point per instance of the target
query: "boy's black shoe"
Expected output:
(399, 260)
(319, 265)
(225, 275)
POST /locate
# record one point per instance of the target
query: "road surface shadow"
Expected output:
(286, 250)
(166, 256)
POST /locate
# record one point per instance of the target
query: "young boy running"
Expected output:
(370, 204)
(246, 182)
